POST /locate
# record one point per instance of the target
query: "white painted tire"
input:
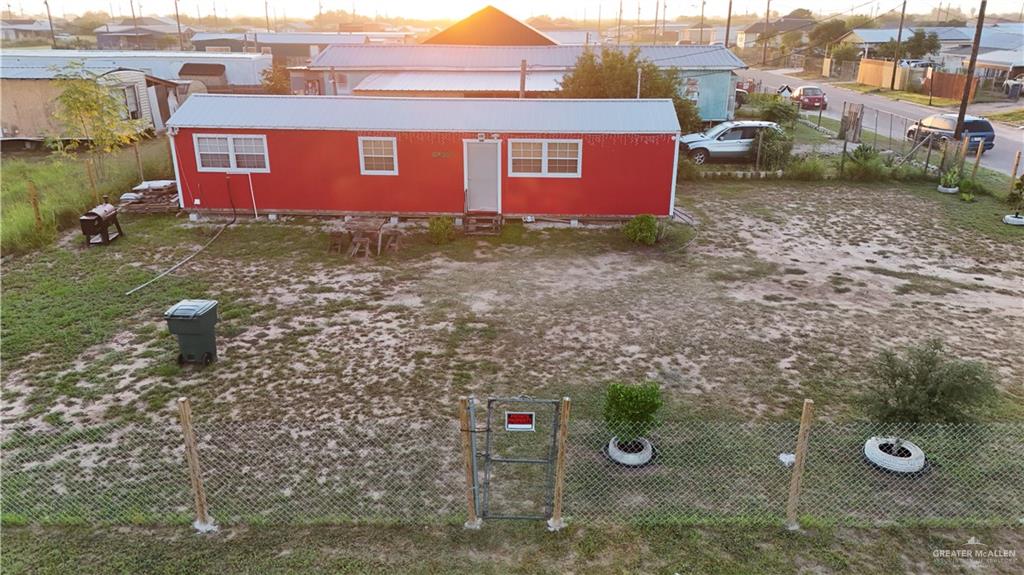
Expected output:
(631, 459)
(945, 190)
(911, 463)
(1013, 220)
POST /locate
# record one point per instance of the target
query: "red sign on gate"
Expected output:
(519, 421)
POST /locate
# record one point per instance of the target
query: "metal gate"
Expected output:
(514, 469)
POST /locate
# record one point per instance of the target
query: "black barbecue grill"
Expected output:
(97, 223)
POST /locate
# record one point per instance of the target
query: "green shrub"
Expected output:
(642, 229)
(873, 170)
(1016, 196)
(925, 385)
(908, 173)
(442, 229)
(968, 189)
(864, 153)
(780, 111)
(950, 179)
(808, 169)
(631, 411)
(772, 149)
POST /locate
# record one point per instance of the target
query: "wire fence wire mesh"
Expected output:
(284, 473)
(332, 473)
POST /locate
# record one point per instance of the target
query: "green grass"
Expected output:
(1015, 117)
(497, 548)
(900, 95)
(64, 191)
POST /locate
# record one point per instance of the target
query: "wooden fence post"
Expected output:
(138, 162)
(977, 159)
(792, 503)
(203, 523)
(963, 152)
(556, 522)
(472, 520)
(1013, 172)
(89, 170)
(33, 198)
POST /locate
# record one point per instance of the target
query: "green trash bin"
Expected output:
(194, 322)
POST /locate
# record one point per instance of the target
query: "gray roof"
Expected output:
(503, 81)
(448, 57)
(503, 115)
(316, 38)
(998, 38)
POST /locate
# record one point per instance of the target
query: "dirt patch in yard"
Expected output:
(789, 291)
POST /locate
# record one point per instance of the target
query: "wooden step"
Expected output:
(481, 224)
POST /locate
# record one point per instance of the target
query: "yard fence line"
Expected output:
(267, 472)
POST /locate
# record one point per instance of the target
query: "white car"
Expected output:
(726, 141)
(1018, 81)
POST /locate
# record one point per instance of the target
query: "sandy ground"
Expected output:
(787, 293)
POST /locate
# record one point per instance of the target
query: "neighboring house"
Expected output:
(426, 70)
(955, 41)
(21, 29)
(1000, 65)
(216, 72)
(491, 27)
(750, 36)
(290, 48)
(574, 37)
(141, 33)
(28, 98)
(426, 156)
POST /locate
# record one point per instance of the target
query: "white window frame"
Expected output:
(234, 169)
(362, 164)
(544, 158)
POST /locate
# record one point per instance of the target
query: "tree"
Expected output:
(792, 39)
(859, 21)
(91, 110)
(918, 45)
(801, 13)
(846, 53)
(925, 385)
(614, 75)
(87, 22)
(827, 32)
(275, 80)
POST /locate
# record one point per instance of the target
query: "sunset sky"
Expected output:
(454, 9)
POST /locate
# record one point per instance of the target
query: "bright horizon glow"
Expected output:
(457, 9)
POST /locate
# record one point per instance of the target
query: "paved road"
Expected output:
(1008, 140)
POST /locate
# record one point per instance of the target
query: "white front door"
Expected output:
(483, 176)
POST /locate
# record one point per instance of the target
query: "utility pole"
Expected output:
(53, 37)
(266, 13)
(970, 71)
(618, 32)
(728, 24)
(636, 36)
(764, 35)
(896, 56)
(177, 18)
(701, 33)
(656, 3)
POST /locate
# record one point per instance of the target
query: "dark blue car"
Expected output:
(942, 126)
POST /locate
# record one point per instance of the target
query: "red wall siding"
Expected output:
(318, 171)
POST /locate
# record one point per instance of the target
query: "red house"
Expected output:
(425, 156)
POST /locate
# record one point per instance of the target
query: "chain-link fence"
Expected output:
(701, 472)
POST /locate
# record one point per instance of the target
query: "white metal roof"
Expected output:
(1003, 58)
(529, 115)
(239, 68)
(41, 73)
(317, 38)
(449, 57)
(543, 81)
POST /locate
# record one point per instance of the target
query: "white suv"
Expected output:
(726, 141)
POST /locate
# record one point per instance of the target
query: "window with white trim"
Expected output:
(223, 153)
(545, 158)
(378, 156)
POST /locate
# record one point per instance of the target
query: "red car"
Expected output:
(810, 98)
